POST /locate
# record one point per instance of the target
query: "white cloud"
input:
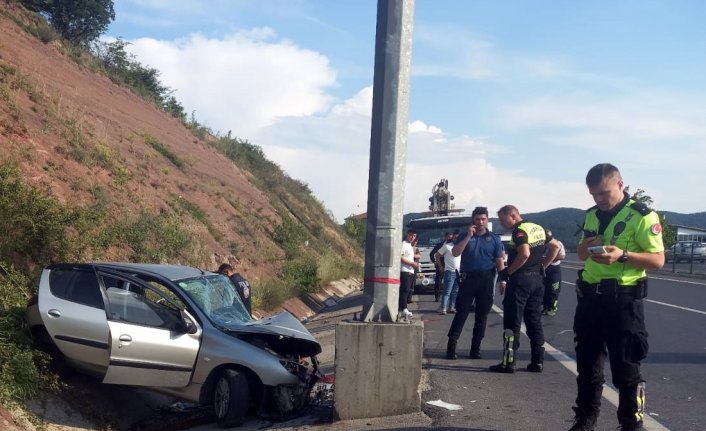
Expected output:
(241, 82)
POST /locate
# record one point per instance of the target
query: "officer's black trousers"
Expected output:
(552, 286)
(475, 286)
(523, 298)
(615, 323)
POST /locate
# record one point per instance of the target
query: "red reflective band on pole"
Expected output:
(382, 280)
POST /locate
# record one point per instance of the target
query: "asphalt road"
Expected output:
(674, 369)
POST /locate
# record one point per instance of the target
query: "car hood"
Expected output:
(283, 333)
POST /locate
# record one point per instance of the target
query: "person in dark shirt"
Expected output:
(241, 285)
(439, 267)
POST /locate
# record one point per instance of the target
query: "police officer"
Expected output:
(622, 238)
(241, 285)
(530, 251)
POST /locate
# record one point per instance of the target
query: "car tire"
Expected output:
(231, 398)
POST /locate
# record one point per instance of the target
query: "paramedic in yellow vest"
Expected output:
(621, 239)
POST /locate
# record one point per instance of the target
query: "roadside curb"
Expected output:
(313, 303)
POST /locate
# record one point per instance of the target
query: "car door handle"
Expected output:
(54, 312)
(126, 338)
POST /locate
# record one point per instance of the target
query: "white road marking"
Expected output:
(675, 306)
(698, 283)
(609, 393)
(666, 304)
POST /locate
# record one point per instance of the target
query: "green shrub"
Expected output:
(45, 32)
(332, 267)
(23, 372)
(234, 248)
(164, 151)
(270, 294)
(302, 275)
(73, 133)
(36, 227)
(289, 235)
(181, 205)
(151, 238)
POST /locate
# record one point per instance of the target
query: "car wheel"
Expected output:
(231, 397)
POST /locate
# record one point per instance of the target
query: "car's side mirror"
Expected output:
(188, 325)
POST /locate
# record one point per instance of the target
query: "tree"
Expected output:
(78, 21)
(669, 235)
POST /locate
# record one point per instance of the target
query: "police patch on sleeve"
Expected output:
(656, 229)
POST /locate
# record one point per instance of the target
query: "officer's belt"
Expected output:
(525, 273)
(480, 271)
(609, 290)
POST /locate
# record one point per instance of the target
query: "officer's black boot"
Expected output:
(632, 403)
(537, 362)
(475, 350)
(451, 349)
(634, 427)
(508, 363)
(535, 367)
(584, 421)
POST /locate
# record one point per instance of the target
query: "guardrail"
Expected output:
(692, 268)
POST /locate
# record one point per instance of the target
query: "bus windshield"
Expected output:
(430, 231)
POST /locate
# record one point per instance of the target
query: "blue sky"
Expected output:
(511, 101)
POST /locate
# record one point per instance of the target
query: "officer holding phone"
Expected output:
(621, 239)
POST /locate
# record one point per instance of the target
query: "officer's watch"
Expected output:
(624, 257)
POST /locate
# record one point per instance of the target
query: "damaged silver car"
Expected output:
(177, 330)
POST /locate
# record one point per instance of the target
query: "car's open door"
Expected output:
(150, 344)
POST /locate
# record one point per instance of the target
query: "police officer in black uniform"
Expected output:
(531, 250)
(240, 283)
(621, 239)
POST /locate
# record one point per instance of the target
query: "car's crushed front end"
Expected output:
(278, 349)
(283, 336)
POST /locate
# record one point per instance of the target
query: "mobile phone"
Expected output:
(599, 249)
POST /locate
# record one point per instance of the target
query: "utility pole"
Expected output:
(388, 159)
(381, 360)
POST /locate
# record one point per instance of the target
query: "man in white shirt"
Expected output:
(452, 264)
(407, 267)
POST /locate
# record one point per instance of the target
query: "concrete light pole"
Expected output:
(388, 159)
(378, 362)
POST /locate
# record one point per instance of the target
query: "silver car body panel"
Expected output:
(146, 356)
(79, 331)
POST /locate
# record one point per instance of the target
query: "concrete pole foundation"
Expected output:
(378, 369)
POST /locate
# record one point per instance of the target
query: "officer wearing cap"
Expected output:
(622, 238)
(530, 251)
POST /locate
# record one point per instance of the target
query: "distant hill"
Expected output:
(691, 220)
(564, 222)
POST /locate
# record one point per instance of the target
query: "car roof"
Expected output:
(171, 272)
